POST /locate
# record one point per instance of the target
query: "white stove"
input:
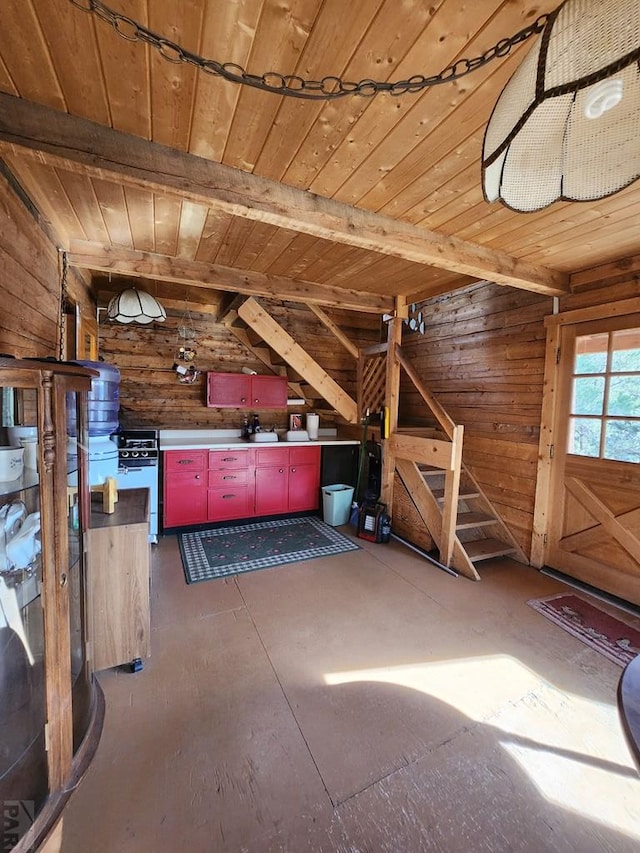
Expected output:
(138, 468)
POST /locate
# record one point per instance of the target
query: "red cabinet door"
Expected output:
(304, 478)
(185, 498)
(229, 390)
(272, 490)
(269, 392)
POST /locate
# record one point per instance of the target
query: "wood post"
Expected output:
(451, 491)
(392, 399)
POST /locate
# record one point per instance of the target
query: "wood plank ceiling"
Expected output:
(412, 159)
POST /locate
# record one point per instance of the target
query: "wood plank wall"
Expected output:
(482, 355)
(151, 394)
(30, 279)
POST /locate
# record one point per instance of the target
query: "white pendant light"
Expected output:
(567, 125)
(135, 306)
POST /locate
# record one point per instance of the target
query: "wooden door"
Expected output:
(594, 525)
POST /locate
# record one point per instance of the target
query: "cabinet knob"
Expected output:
(256, 400)
(243, 399)
(281, 470)
(185, 461)
(197, 476)
(230, 459)
(229, 477)
(293, 470)
(226, 497)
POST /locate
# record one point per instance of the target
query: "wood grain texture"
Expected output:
(118, 579)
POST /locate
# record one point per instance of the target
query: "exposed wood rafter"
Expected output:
(117, 259)
(69, 142)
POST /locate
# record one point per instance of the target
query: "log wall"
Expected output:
(30, 278)
(482, 355)
(151, 394)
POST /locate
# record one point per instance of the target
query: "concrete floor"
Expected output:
(360, 703)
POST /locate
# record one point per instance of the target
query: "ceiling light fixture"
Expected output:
(566, 125)
(135, 306)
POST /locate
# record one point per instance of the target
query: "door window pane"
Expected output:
(622, 441)
(591, 353)
(625, 351)
(624, 396)
(588, 396)
(584, 436)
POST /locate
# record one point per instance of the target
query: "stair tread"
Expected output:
(430, 471)
(474, 519)
(485, 549)
(462, 496)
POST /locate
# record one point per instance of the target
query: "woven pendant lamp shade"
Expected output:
(567, 125)
(135, 306)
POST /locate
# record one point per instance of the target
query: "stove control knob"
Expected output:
(124, 454)
(135, 453)
(144, 453)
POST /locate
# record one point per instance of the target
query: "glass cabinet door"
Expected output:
(23, 758)
(46, 691)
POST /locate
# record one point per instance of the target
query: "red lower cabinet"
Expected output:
(272, 490)
(221, 485)
(304, 479)
(185, 498)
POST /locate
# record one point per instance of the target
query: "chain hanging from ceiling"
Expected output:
(327, 88)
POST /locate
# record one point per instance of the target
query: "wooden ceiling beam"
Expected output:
(130, 262)
(69, 142)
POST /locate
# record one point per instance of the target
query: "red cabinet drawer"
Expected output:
(229, 458)
(230, 502)
(304, 455)
(184, 460)
(220, 479)
(271, 456)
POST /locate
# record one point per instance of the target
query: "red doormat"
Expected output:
(604, 633)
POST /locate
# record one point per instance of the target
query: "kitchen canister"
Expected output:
(30, 453)
(11, 462)
(313, 422)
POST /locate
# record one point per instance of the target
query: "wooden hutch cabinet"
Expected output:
(51, 709)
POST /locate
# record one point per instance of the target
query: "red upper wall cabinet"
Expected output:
(239, 391)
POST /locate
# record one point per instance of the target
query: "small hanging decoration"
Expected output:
(415, 320)
(186, 350)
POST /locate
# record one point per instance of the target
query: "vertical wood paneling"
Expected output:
(68, 34)
(126, 72)
(282, 32)
(482, 355)
(112, 202)
(173, 84)
(330, 46)
(227, 34)
(29, 281)
(26, 55)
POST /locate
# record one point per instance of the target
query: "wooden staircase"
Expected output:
(480, 534)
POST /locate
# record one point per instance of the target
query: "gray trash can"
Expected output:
(336, 504)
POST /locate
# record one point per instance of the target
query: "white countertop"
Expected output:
(221, 439)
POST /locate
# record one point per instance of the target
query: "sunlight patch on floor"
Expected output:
(571, 748)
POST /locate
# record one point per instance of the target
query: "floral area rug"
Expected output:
(599, 630)
(224, 551)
